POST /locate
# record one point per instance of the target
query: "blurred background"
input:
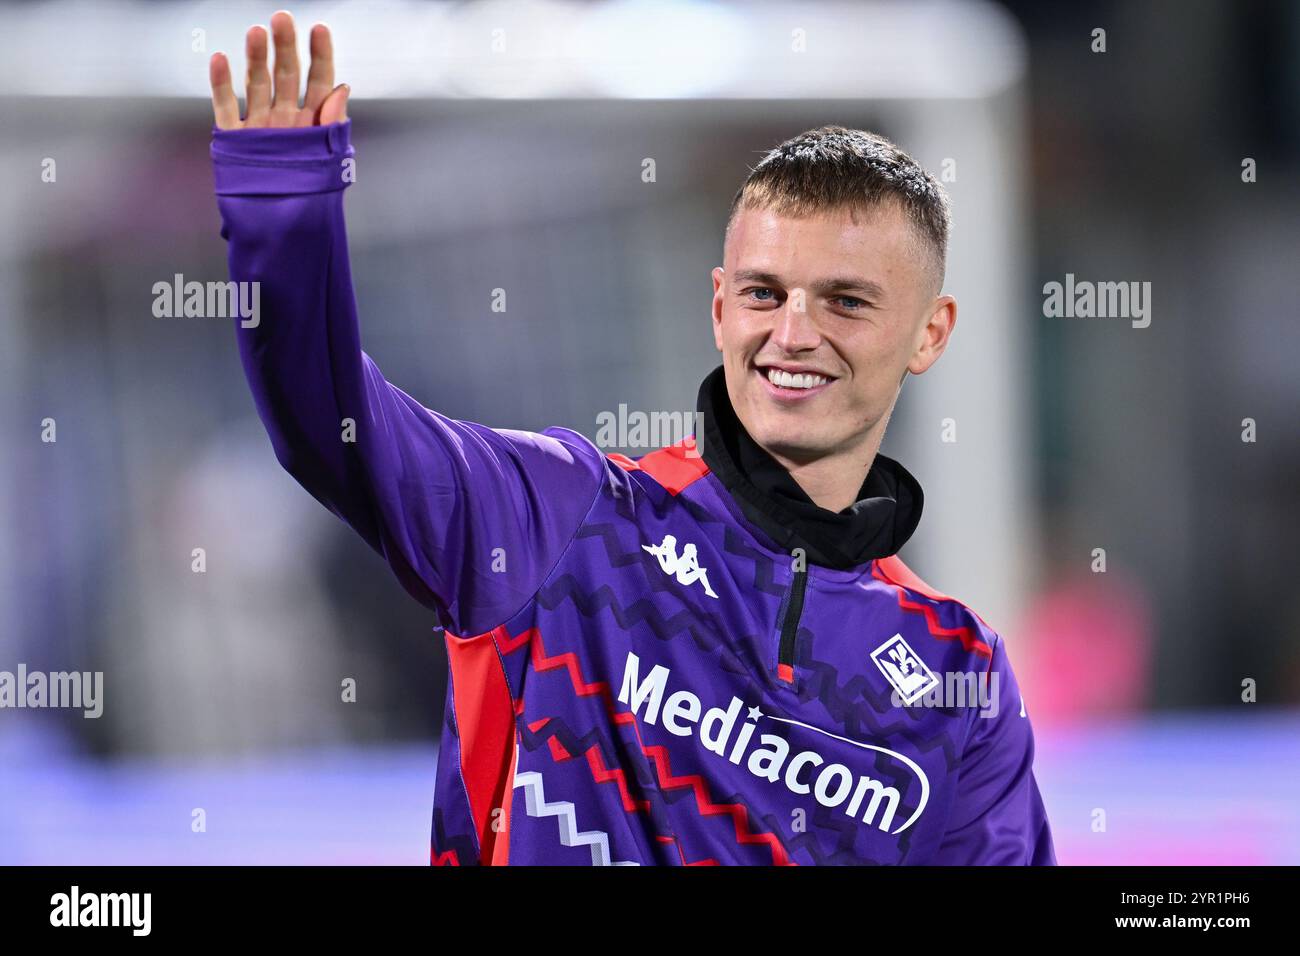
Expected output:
(502, 145)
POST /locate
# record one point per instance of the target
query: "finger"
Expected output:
(335, 107)
(285, 101)
(320, 78)
(225, 106)
(258, 82)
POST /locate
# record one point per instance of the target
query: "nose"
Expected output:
(794, 329)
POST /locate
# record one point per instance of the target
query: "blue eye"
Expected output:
(848, 298)
(753, 291)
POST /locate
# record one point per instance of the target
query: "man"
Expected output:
(708, 656)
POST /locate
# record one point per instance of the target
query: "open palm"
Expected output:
(277, 105)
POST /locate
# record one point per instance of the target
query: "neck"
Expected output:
(871, 520)
(833, 481)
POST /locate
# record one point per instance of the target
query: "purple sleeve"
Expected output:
(998, 817)
(471, 519)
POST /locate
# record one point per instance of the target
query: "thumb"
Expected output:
(335, 107)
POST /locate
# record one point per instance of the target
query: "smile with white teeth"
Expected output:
(789, 380)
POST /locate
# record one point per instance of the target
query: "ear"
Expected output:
(719, 291)
(932, 338)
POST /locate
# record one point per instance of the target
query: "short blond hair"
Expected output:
(834, 168)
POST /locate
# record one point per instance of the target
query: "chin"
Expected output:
(791, 443)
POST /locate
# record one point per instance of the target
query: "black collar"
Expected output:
(877, 525)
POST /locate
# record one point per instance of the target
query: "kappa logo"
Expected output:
(685, 567)
(902, 668)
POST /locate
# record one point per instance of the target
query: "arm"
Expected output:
(998, 817)
(470, 518)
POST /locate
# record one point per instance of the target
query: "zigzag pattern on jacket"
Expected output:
(565, 744)
(844, 704)
(850, 704)
(449, 850)
(530, 781)
(665, 782)
(840, 703)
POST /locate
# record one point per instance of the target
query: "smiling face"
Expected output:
(817, 318)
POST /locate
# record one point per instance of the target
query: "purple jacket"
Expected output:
(673, 660)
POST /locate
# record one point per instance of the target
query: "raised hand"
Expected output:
(277, 105)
